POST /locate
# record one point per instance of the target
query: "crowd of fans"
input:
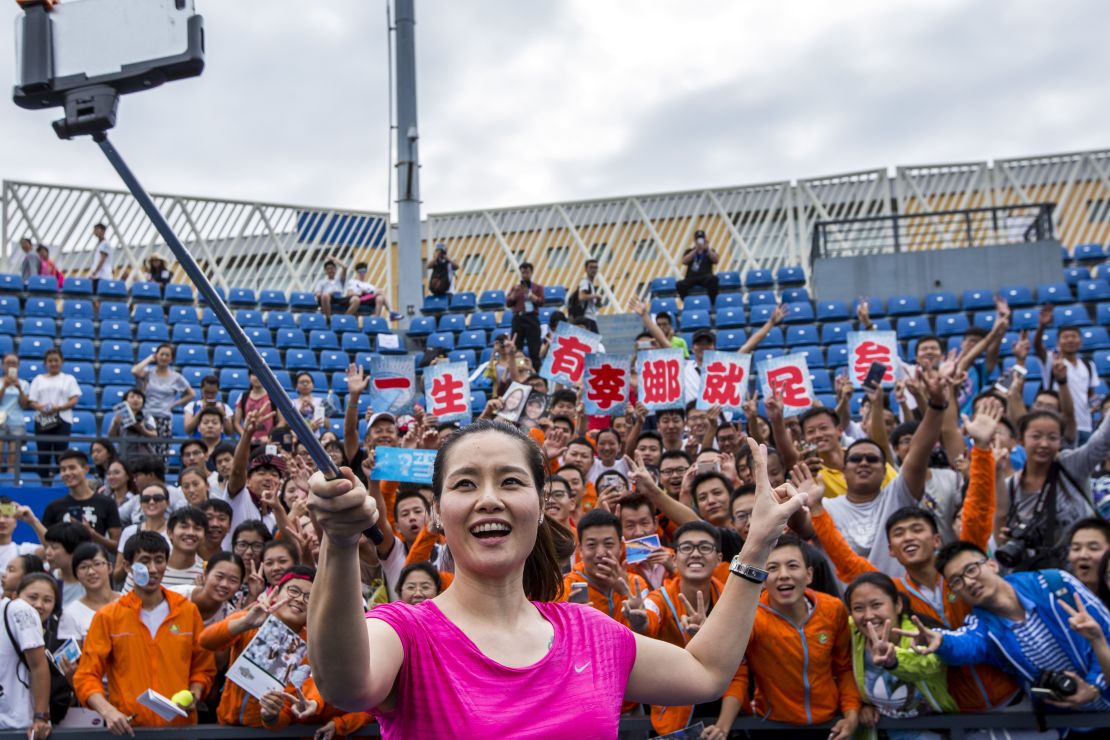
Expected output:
(954, 555)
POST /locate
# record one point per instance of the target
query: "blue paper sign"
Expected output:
(566, 357)
(660, 372)
(789, 377)
(392, 383)
(447, 392)
(403, 465)
(724, 380)
(606, 384)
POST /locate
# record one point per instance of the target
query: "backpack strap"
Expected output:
(18, 648)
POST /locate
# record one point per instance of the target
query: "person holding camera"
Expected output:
(524, 300)
(210, 397)
(1018, 623)
(443, 270)
(699, 260)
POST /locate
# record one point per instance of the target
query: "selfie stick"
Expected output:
(278, 397)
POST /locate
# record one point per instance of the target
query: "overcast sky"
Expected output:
(528, 101)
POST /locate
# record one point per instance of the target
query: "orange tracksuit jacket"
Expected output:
(975, 688)
(237, 707)
(664, 614)
(120, 647)
(610, 602)
(346, 723)
(421, 551)
(802, 676)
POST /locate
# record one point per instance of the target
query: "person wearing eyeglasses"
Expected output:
(288, 602)
(93, 569)
(154, 502)
(1020, 623)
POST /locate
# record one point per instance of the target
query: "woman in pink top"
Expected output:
(493, 656)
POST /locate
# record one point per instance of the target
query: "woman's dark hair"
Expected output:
(543, 580)
(88, 551)
(252, 525)
(31, 563)
(1103, 588)
(1032, 416)
(609, 430)
(113, 455)
(423, 567)
(131, 487)
(223, 556)
(31, 578)
(885, 583)
(287, 545)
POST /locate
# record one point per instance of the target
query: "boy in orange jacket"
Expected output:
(600, 580)
(148, 639)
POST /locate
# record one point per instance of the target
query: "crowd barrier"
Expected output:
(956, 726)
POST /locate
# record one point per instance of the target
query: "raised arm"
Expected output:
(784, 441)
(876, 426)
(640, 308)
(237, 479)
(1067, 405)
(977, 520)
(967, 359)
(1043, 320)
(357, 381)
(915, 466)
(675, 511)
(753, 341)
(139, 369)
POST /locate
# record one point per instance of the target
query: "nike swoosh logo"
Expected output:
(580, 668)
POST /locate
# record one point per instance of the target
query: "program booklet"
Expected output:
(161, 706)
(269, 660)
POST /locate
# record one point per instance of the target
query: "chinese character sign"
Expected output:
(392, 383)
(403, 465)
(447, 392)
(867, 347)
(724, 380)
(566, 358)
(660, 373)
(789, 376)
(606, 386)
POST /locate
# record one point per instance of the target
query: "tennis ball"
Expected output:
(183, 699)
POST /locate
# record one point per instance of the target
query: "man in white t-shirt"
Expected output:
(1081, 379)
(590, 296)
(187, 529)
(209, 398)
(360, 291)
(11, 514)
(102, 257)
(331, 287)
(253, 479)
(24, 672)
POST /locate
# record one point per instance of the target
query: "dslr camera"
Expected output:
(1055, 684)
(1015, 551)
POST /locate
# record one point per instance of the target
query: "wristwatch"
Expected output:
(41, 716)
(747, 572)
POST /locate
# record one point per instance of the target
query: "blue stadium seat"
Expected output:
(354, 341)
(660, 287)
(904, 305)
(761, 298)
(227, 356)
(1033, 368)
(477, 401)
(760, 314)
(910, 327)
(146, 349)
(941, 301)
(836, 355)
(1075, 275)
(39, 326)
(217, 335)
(40, 307)
(242, 298)
(667, 305)
(115, 330)
(696, 303)
(362, 359)
(31, 346)
(182, 315)
(312, 322)
(375, 325)
(115, 373)
(730, 340)
(1073, 315)
(146, 291)
(77, 309)
(1095, 337)
(774, 338)
(113, 351)
(480, 321)
(758, 278)
(821, 379)
(1024, 318)
(1102, 362)
(1089, 253)
(882, 325)
(343, 322)
(273, 299)
(466, 301)
(234, 379)
(835, 332)
(975, 300)
(949, 325)
(875, 305)
(78, 349)
(1102, 314)
(111, 289)
(795, 295)
(148, 312)
(766, 353)
(208, 317)
(728, 282)
(333, 360)
(9, 306)
(301, 359)
(471, 340)
(187, 333)
(491, 300)
(84, 424)
(1050, 338)
(77, 286)
(28, 368)
(693, 320)
(1054, 293)
(259, 335)
(178, 293)
(724, 300)
(82, 370)
(1102, 272)
(247, 317)
(150, 331)
(42, 284)
(280, 320)
(435, 304)
(112, 395)
(286, 381)
(798, 313)
(464, 355)
(983, 320)
(271, 356)
(730, 318)
(323, 339)
(1094, 290)
(290, 338)
(1018, 296)
(421, 326)
(202, 301)
(191, 354)
(790, 275)
(389, 344)
(554, 295)
(441, 340)
(832, 311)
(8, 325)
(194, 374)
(300, 300)
(10, 283)
(801, 334)
(453, 322)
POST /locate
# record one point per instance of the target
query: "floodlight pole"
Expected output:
(410, 265)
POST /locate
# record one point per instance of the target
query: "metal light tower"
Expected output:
(409, 263)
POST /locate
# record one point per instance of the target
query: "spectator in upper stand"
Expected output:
(139, 427)
(154, 501)
(600, 580)
(443, 270)
(166, 389)
(14, 398)
(209, 396)
(699, 260)
(711, 493)
(156, 271)
(256, 399)
(53, 395)
(29, 260)
(103, 256)
(524, 300)
(98, 515)
(589, 298)
(211, 423)
(1081, 378)
(360, 291)
(47, 268)
(11, 514)
(661, 325)
(310, 406)
(332, 288)
(671, 425)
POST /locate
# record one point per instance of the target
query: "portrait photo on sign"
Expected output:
(515, 400)
(269, 659)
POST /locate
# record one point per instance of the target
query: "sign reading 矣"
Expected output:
(566, 357)
(447, 392)
(403, 465)
(607, 388)
(789, 377)
(660, 374)
(868, 347)
(392, 384)
(724, 380)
